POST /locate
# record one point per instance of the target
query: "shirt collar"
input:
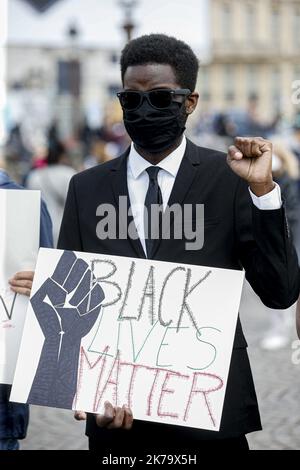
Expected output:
(171, 163)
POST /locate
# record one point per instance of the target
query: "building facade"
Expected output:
(255, 51)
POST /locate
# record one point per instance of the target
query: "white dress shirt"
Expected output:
(138, 181)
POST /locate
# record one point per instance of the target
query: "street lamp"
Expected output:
(128, 25)
(69, 85)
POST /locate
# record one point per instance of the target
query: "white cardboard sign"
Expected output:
(19, 243)
(153, 335)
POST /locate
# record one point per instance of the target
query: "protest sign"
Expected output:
(153, 335)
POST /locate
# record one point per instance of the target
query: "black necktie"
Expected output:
(153, 196)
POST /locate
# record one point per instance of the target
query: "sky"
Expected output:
(99, 21)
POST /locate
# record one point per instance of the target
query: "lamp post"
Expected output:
(69, 86)
(128, 25)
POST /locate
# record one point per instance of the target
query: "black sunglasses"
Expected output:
(158, 99)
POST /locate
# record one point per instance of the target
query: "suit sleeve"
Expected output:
(266, 251)
(69, 235)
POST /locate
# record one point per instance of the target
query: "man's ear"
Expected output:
(191, 102)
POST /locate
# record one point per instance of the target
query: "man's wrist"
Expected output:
(260, 189)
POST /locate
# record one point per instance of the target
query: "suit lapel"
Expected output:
(186, 174)
(120, 188)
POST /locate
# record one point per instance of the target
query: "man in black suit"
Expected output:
(244, 225)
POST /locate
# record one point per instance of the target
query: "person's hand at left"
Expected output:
(251, 159)
(21, 282)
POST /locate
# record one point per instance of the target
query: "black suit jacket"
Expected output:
(237, 235)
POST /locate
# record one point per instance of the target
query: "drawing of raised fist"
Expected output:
(66, 306)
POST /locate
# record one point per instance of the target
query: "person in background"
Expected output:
(99, 154)
(53, 182)
(285, 172)
(14, 417)
(294, 143)
(254, 124)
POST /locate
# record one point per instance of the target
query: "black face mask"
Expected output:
(155, 130)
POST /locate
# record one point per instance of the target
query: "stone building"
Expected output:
(254, 50)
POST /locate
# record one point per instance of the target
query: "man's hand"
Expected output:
(113, 417)
(251, 159)
(21, 283)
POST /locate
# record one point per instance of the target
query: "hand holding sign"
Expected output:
(21, 283)
(112, 418)
(159, 344)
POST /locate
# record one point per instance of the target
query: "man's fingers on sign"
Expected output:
(115, 418)
(107, 417)
(117, 422)
(21, 282)
(128, 419)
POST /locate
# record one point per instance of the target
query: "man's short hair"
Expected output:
(162, 49)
